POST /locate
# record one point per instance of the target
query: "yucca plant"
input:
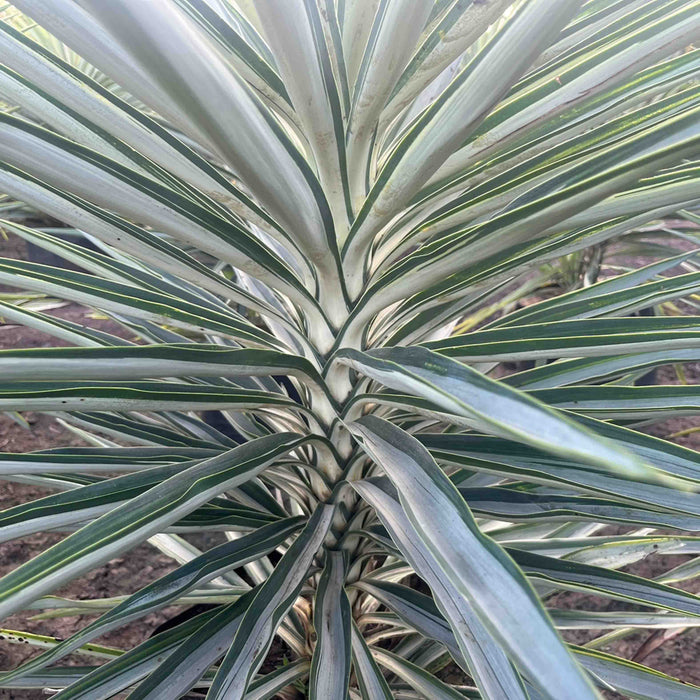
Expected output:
(297, 203)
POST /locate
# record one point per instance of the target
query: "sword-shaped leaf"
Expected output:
(127, 670)
(596, 579)
(517, 506)
(475, 650)
(634, 680)
(488, 405)
(133, 396)
(473, 564)
(427, 685)
(370, 679)
(513, 461)
(186, 665)
(272, 602)
(170, 587)
(139, 518)
(623, 402)
(330, 665)
(589, 338)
